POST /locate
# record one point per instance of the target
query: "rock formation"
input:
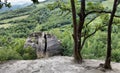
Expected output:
(44, 44)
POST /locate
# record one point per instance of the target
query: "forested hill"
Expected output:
(35, 18)
(16, 25)
(32, 18)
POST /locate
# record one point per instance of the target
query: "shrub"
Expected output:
(26, 53)
(9, 54)
(116, 55)
(13, 49)
(29, 53)
(67, 44)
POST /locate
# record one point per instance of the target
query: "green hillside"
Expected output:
(16, 25)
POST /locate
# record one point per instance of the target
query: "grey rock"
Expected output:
(37, 41)
(56, 64)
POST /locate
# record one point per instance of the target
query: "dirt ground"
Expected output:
(57, 64)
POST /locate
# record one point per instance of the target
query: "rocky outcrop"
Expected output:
(56, 64)
(45, 44)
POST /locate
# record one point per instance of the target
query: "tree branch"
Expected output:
(67, 13)
(91, 20)
(117, 16)
(88, 37)
(91, 12)
(85, 37)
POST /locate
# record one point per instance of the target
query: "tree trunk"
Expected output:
(80, 27)
(75, 33)
(109, 49)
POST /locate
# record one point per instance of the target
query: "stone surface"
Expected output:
(57, 64)
(37, 41)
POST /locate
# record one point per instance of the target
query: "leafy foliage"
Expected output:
(4, 4)
(11, 49)
(54, 20)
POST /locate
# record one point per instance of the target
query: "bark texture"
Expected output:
(109, 49)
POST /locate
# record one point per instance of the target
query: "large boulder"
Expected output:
(45, 44)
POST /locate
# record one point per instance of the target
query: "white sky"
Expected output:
(15, 2)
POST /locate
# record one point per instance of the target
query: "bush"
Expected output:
(29, 53)
(95, 47)
(116, 55)
(9, 54)
(19, 46)
(26, 53)
(13, 49)
(67, 44)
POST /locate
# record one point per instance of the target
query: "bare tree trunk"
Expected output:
(75, 33)
(109, 49)
(80, 27)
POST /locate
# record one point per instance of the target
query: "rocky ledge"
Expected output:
(57, 64)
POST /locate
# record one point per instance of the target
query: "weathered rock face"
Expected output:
(45, 44)
(57, 64)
